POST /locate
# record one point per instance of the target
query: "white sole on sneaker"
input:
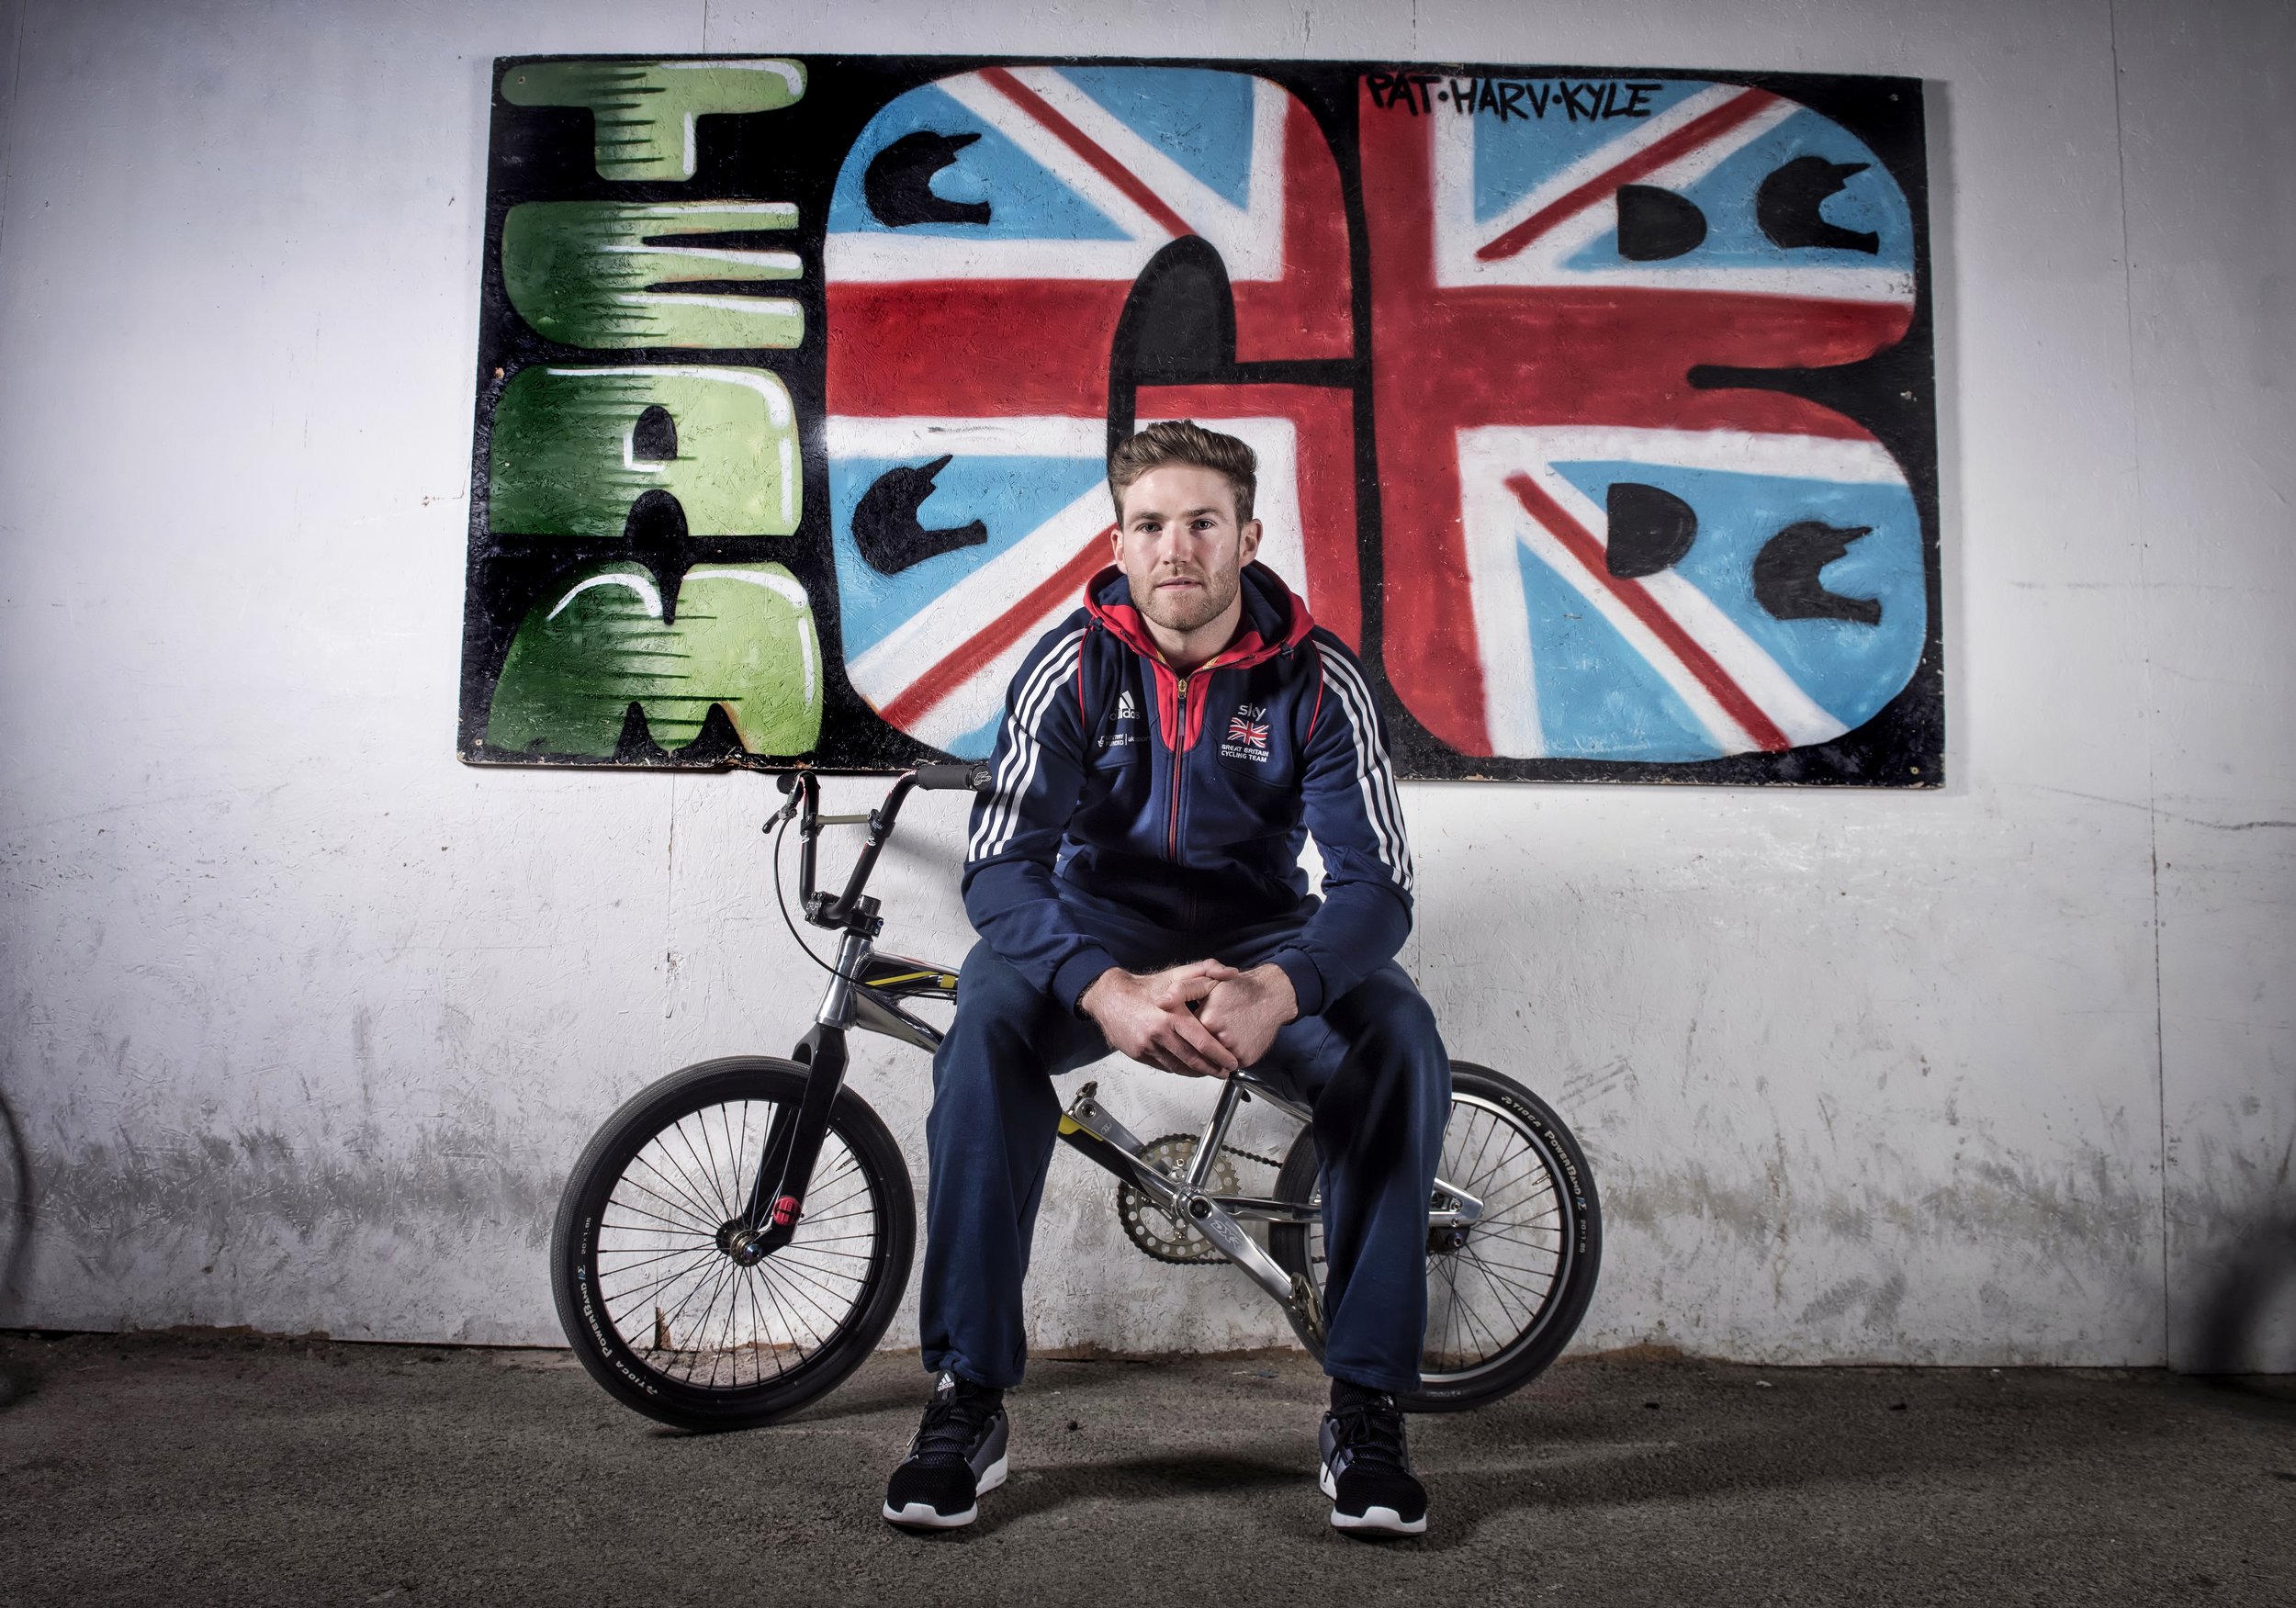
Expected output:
(918, 1515)
(1375, 1518)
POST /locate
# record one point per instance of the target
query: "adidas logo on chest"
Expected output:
(1124, 724)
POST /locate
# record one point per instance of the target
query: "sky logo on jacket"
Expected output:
(1247, 734)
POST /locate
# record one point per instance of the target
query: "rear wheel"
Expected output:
(1504, 1300)
(658, 1311)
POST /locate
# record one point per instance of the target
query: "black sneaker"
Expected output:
(959, 1453)
(1367, 1468)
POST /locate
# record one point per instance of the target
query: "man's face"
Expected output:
(1180, 547)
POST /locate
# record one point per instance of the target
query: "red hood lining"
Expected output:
(1124, 623)
(1123, 620)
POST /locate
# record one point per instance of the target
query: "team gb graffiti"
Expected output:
(1594, 408)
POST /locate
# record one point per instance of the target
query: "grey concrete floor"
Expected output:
(186, 1469)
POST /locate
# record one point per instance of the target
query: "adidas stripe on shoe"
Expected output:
(959, 1453)
(1367, 1468)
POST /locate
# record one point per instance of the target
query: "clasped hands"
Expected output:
(1203, 1020)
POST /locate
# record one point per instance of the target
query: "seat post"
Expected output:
(1200, 1165)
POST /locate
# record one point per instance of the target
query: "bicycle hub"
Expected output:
(741, 1242)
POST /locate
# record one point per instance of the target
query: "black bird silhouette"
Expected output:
(1786, 574)
(885, 527)
(898, 185)
(1787, 206)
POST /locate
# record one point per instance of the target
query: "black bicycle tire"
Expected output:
(1532, 1352)
(603, 1353)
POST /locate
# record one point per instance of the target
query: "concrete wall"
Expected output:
(304, 1021)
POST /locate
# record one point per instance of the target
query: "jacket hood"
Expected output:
(1275, 618)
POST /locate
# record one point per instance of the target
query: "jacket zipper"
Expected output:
(1179, 758)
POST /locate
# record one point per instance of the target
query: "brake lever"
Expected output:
(781, 817)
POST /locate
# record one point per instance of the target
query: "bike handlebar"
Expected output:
(960, 776)
(845, 909)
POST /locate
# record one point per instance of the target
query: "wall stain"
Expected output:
(1881, 1303)
(2096, 1210)
(116, 1199)
(18, 1213)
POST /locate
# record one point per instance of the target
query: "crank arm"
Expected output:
(1290, 1291)
(1260, 1208)
(1133, 1168)
(1465, 1209)
(1218, 1225)
(1086, 1112)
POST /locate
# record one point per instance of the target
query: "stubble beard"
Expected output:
(1187, 611)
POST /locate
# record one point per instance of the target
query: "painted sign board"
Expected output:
(1593, 407)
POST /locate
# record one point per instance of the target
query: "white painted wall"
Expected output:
(304, 1020)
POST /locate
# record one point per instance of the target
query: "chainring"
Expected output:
(1154, 1230)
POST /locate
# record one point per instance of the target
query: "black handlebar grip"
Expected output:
(959, 777)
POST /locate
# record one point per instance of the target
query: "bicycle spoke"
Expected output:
(1506, 1293)
(694, 1263)
(677, 1186)
(802, 1336)
(1533, 1166)
(1545, 1244)
(670, 1224)
(780, 1312)
(761, 1347)
(1482, 1149)
(669, 1324)
(716, 1186)
(793, 1253)
(621, 1267)
(796, 1276)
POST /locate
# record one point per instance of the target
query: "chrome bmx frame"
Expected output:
(868, 989)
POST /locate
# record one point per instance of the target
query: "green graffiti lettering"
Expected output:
(610, 274)
(573, 448)
(642, 112)
(742, 639)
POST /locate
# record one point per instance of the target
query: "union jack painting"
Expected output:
(1052, 191)
(1585, 526)
(1593, 408)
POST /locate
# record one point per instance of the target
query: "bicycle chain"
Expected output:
(1154, 1232)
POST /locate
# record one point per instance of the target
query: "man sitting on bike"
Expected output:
(1133, 873)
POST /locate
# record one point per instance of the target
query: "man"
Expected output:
(1133, 873)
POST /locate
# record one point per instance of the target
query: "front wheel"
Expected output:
(657, 1309)
(1502, 1303)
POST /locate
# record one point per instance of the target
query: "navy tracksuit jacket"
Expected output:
(1140, 819)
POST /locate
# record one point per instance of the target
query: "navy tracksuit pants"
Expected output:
(1372, 1068)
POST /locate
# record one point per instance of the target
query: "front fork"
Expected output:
(792, 1145)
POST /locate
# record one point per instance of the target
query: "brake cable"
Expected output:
(784, 904)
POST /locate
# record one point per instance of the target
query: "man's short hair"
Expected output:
(1183, 440)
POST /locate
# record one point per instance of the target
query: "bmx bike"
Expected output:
(734, 1240)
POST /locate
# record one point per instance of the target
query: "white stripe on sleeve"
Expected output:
(1019, 768)
(1375, 773)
